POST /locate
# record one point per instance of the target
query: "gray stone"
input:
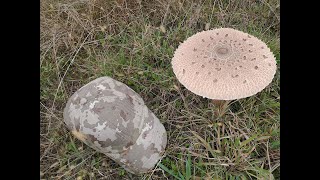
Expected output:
(111, 118)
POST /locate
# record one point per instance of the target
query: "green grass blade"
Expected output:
(181, 176)
(207, 146)
(248, 140)
(169, 171)
(188, 167)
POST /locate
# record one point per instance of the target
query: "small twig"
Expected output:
(268, 157)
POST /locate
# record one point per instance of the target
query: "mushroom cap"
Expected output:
(111, 118)
(224, 64)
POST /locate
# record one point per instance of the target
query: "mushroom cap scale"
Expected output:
(224, 64)
(111, 118)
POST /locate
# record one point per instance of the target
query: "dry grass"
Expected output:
(133, 42)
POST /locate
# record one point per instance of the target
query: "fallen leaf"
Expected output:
(120, 74)
(72, 167)
(103, 28)
(162, 29)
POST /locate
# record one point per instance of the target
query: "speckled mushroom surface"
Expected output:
(111, 118)
(224, 64)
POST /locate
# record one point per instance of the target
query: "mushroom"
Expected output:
(111, 118)
(224, 64)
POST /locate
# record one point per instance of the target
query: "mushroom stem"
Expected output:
(221, 107)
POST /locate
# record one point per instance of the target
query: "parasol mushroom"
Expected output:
(111, 118)
(224, 64)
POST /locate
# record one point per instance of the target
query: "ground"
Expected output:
(133, 42)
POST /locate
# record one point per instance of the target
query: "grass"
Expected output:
(133, 42)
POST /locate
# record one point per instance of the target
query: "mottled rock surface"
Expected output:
(111, 118)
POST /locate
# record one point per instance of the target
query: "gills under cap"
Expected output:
(224, 64)
(111, 118)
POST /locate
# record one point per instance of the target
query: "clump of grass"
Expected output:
(133, 42)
